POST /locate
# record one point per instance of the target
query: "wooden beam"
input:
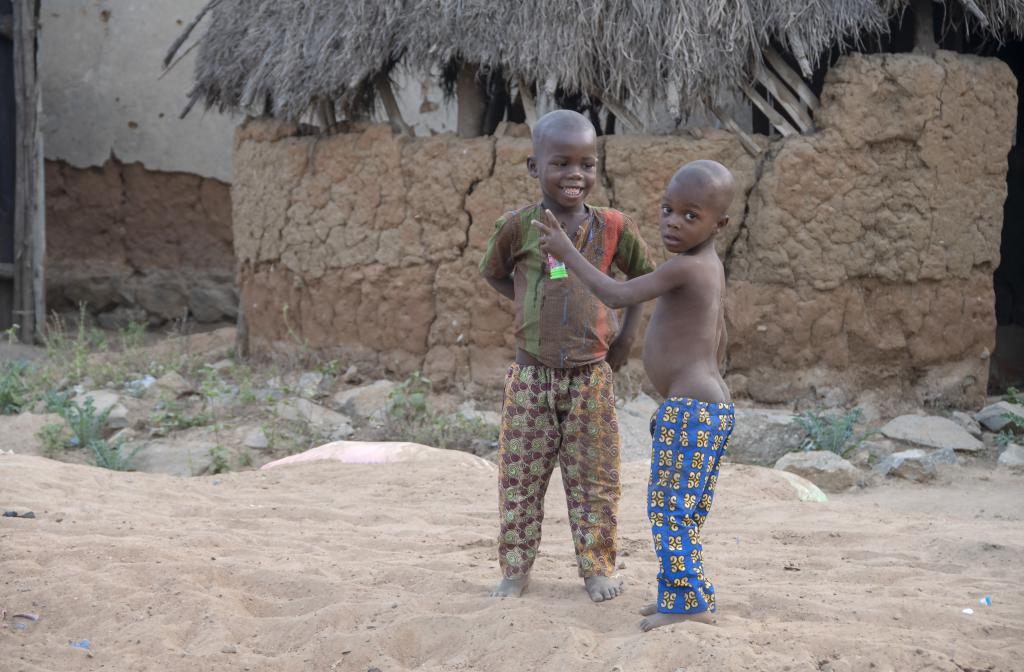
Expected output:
(529, 104)
(776, 119)
(791, 78)
(29, 211)
(470, 100)
(748, 142)
(975, 11)
(796, 111)
(924, 28)
(387, 97)
(619, 109)
(796, 44)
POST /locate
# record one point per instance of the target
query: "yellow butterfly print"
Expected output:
(691, 600)
(693, 535)
(673, 525)
(675, 480)
(667, 436)
(702, 438)
(693, 480)
(664, 458)
(672, 503)
(657, 519)
(671, 415)
(712, 482)
(681, 582)
(698, 461)
(723, 422)
(663, 476)
(657, 498)
(668, 601)
(695, 556)
(703, 417)
(675, 543)
(689, 500)
(705, 501)
(677, 563)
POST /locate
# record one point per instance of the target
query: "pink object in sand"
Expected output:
(380, 452)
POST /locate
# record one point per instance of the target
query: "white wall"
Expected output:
(100, 68)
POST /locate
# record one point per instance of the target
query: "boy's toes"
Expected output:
(649, 609)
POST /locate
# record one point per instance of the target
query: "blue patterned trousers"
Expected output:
(689, 438)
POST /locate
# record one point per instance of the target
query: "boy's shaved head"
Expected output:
(712, 177)
(560, 122)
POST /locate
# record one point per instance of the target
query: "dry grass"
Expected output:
(282, 57)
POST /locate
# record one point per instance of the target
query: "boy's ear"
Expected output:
(531, 166)
(722, 222)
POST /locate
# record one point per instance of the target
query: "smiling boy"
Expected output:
(559, 407)
(684, 347)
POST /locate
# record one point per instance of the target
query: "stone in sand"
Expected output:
(931, 431)
(828, 471)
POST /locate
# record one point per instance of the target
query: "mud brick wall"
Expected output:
(859, 257)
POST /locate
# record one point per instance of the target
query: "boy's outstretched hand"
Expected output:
(553, 240)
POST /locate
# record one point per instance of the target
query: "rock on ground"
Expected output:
(762, 436)
(106, 400)
(177, 458)
(993, 417)
(1012, 458)
(365, 401)
(828, 471)
(931, 431)
(915, 464)
(338, 425)
(969, 424)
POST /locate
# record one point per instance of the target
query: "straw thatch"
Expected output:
(284, 57)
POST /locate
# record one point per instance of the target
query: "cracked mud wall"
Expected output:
(136, 244)
(860, 258)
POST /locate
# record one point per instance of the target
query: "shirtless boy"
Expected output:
(683, 348)
(559, 407)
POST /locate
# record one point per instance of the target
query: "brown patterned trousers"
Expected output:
(564, 417)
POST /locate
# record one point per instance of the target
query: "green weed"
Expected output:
(14, 393)
(834, 433)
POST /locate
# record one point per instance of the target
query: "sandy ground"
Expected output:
(330, 566)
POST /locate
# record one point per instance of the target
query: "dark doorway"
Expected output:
(7, 165)
(1007, 368)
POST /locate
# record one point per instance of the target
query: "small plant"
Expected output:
(85, 423)
(13, 390)
(410, 418)
(53, 438)
(834, 433)
(244, 459)
(407, 402)
(109, 456)
(219, 460)
(1014, 396)
(172, 416)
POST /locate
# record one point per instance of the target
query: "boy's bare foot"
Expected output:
(511, 587)
(602, 588)
(656, 620)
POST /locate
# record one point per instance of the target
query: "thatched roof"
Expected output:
(282, 56)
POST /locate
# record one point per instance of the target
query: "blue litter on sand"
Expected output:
(80, 644)
(987, 601)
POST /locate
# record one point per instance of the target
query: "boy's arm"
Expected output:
(497, 264)
(612, 293)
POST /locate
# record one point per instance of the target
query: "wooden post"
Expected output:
(387, 97)
(471, 99)
(924, 28)
(29, 210)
